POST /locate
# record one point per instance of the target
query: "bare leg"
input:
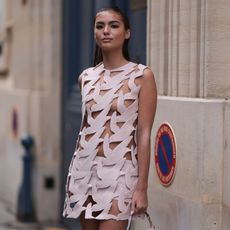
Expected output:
(88, 224)
(113, 224)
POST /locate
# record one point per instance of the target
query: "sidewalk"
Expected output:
(9, 222)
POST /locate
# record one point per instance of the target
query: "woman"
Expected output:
(108, 174)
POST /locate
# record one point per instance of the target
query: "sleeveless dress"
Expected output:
(104, 165)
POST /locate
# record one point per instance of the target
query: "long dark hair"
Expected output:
(98, 53)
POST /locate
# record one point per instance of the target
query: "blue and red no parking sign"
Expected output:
(165, 154)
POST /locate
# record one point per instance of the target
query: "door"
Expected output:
(78, 46)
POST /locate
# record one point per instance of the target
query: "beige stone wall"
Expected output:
(189, 47)
(189, 53)
(33, 86)
(226, 172)
(194, 199)
(177, 51)
(218, 49)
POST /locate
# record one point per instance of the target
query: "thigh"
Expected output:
(87, 224)
(113, 224)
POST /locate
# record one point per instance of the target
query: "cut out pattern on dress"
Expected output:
(104, 166)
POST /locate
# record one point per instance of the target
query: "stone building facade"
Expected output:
(30, 96)
(188, 49)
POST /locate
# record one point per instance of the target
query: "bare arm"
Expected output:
(146, 114)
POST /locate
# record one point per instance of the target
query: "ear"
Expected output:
(127, 34)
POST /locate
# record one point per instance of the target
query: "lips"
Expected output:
(106, 39)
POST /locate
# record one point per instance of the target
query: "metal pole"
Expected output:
(25, 212)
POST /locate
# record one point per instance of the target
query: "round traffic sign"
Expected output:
(165, 154)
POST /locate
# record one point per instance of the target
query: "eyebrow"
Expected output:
(110, 22)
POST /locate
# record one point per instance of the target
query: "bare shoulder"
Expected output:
(147, 77)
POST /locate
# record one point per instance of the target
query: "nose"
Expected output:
(106, 29)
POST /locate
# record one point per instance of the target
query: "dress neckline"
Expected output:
(121, 68)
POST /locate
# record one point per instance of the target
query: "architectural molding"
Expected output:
(177, 33)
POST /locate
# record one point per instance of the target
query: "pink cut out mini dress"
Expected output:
(104, 170)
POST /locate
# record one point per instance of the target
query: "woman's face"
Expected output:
(109, 30)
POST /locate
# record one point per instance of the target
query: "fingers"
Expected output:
(137, 209)
(139, 203)
(140, 210)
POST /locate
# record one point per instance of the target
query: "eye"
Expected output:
(114, 26)
(99, 26)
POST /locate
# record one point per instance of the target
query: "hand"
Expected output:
(139, 202)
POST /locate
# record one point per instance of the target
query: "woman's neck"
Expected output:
(113, 60)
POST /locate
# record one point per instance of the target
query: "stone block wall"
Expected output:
(188, 52)
(32, 85)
